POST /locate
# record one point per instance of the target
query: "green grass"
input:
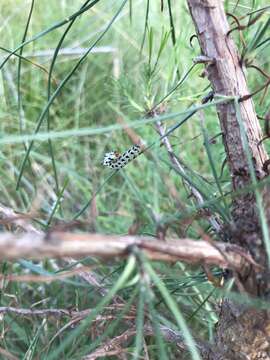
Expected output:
(54, 131)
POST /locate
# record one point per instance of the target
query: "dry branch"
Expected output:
(64, 244)
(58, 313)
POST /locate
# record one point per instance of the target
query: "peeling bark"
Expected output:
(242, 333)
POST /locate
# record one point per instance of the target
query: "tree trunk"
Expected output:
(241, 334)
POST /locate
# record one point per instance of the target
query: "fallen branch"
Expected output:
(22, 222)
(64, 244)
(59, 313)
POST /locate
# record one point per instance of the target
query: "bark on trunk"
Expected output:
(241, 334)
(227, 78)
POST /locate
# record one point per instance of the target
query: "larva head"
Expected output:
(110, 157)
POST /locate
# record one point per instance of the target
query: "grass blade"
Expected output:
(47, 31)
(60, 87)
(56, 51)
(139, 323)
(175, 311)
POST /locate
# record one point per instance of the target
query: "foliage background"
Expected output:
(121, 84)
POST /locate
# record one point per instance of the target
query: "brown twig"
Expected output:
(39, 312)
(7, 216)
(64, 244)
(45, 278)
(255, 92)
(175, 161)
(240, 26)
(58, 313)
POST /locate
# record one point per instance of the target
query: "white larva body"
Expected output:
(116, 161)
